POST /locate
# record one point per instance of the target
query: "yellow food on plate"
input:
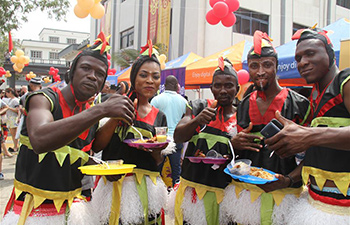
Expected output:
(259, 172)
(151, 140)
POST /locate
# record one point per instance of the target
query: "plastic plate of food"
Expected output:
(146, 143)
(107, 169)
(256, 175)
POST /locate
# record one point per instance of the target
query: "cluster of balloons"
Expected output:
(54, 73)
(93, 7)
(30, 75)
(222, 11)
(47, 79)
(2, 71)
(162, 59)
(19, 60)
(243, 76)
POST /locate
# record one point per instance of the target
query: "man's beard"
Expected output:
(261, 88)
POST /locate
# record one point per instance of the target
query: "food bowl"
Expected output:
(240, 166)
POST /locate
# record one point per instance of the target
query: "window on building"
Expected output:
(54, 39)
(53, 55)
(344, 3)
(298, 27)
(249, 21)
(36, 54)
(127, 38)
(71, 41)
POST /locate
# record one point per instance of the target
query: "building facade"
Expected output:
(46, 52)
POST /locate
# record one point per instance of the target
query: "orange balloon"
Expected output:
(20, 65)
(26, 59)
(79, 12)
(86, 4)
(15, 67)
(22, 59)
(14, 59)
(19, 52)
(98, 11)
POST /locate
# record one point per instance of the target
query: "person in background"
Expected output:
(142, 192)
(209, 126)
(174, 107)
(12, 102)
(34, 85)
(23, 91)
(3, 109)
(4, 128)
(257, 109)
(56, 139)
(326, 168)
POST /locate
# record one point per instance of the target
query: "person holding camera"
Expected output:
(254, 112)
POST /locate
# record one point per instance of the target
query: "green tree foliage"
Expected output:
(126, 57)
(4, 45)
(14, 12)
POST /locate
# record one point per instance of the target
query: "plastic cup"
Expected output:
(213, 154)
(161, 133)
(240, 166)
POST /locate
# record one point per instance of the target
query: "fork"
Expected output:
(132, 126)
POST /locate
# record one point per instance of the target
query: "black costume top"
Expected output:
(214, 136)
(53, 175)
(292, 106)
(117, 149)
(329, 111)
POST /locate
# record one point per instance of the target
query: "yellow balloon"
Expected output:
(20, 65)
(27, 59)
(20, 70)
(162, 58)
(47, 80)
(97, 1)
(162, 66)
(8, 74)
(79, 12)
(33, 75)
(14, 59)
(98, 11)
(22, 59)
(15, 67)
(86, 4)
(19, 52)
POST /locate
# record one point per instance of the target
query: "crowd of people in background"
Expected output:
(90, 121)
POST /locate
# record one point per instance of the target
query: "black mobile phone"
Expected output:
(272, 128)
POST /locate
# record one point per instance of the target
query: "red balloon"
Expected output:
(243, 76)
(212, 2)
(233, 5)
(220, 9)
(229, 20)
(108, 56)
(211, 18)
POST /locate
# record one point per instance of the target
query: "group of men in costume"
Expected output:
(59, 131)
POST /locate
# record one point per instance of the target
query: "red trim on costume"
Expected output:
(329, 200)
(194, 195)
(88, 147)
(330, 104)
(42, 210)
(150, 117)
(68, 113)
(277, 104)
(10, 202)
(220, 124)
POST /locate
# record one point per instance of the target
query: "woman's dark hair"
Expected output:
(135, 69)
(14, 92)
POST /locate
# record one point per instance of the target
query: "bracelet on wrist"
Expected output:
(291, 180)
